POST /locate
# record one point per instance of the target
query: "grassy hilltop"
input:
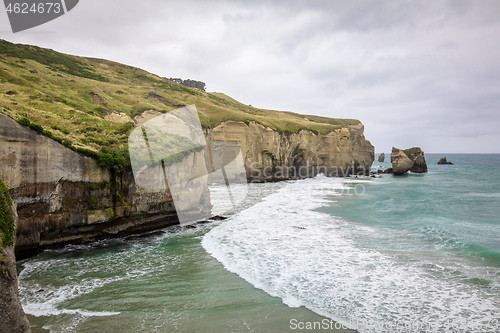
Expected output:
(70, 97)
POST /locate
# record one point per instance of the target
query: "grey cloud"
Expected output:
(429, 64)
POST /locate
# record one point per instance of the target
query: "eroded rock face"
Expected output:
(412, 159)
(381, 157)
(271, 156)
(12, 316)
(417, 156)
(401, 164)
(63, 197)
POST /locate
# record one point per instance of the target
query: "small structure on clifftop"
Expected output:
(189, 83)
(408, 160)
(381, 157)
(443, 160)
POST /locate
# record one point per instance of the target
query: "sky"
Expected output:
(416, 73)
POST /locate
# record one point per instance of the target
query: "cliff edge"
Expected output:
(12, 316)
(63, 197)
(61, 115)
(273, 156)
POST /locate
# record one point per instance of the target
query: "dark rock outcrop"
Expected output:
(417, 156)
(443, 160)
(381, 157)
(12, 316)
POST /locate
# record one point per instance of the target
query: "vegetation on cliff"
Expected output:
(92, 105)
(410, 151)
(6, 220)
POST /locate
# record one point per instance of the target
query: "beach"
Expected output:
(413, 253)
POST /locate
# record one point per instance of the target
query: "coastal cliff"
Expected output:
(62, 115)
(272, 156)
(63, 197)
(12, 316)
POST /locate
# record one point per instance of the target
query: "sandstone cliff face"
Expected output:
(63, 197)
(12, 317)
(271, 156)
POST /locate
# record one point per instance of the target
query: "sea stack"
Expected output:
(417, 156)
(401, 164)
(381, 157)
(408, 160)
(12, 316)
(443, 160)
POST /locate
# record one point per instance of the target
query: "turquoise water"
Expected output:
(165, 283)
(453, 207)
(416, 253)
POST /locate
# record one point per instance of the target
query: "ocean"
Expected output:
(414, 253)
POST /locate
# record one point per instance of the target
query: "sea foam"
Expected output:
(287, 248)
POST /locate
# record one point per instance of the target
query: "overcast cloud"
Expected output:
(416, 73)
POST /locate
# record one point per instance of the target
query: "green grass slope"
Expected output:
(70, 96)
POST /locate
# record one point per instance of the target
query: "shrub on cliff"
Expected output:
(410, 151)
(109, 161)
(87, 152)
(37, 128)
(66, 143)
(119, 163)
(105, 160)
(6, 220)
(24, 121)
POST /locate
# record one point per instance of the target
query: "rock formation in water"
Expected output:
(12, 316)
(401, 164)
(417, 156)
(443, 160)
(381, 157)
(412, 159)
